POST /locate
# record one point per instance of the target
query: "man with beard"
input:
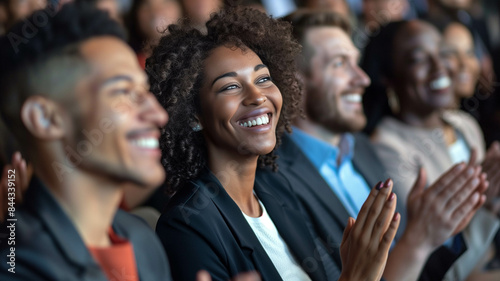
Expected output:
(331, 167)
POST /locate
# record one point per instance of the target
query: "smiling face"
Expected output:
(420, 79)
(240, 105)
(153, 16)
(335, 83)
(460, 59)
(117, 116)
(455, 4)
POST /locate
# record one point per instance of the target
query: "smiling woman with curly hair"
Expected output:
(230, 93)
(176, 71)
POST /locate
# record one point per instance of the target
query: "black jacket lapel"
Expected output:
(293, 229)
(241, 229)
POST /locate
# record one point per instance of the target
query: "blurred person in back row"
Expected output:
(146, 22)
(16, 10)
(407, 106)
(231, 93)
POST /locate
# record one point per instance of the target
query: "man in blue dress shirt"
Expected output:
(331, 167)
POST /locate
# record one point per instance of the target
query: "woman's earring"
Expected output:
(197, 127)
(393, 101)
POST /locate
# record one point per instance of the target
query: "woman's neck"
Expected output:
(236, 173)
(429, 120)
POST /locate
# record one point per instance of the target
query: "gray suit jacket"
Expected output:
(48, 246)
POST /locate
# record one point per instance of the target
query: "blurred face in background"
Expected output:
(199, 10)
(154, 16)
(3, 18)
(458, 52)
(110, 6)
(335, 84)
(379, 12)
(455, 4)
(337, 6)
(420, 78)
(20, 9)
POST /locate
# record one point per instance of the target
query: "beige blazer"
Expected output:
(404, 149)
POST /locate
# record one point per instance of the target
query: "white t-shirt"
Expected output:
(275, 247)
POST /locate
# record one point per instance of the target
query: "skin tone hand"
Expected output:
(434, 215)
(366, 241)
(491, 166)
(21, 183)
(249, 276)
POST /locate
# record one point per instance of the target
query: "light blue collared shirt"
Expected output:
(349, 186)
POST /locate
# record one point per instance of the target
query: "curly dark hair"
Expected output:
(175, 71)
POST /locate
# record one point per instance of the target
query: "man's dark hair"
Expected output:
(304, 19)
(40, 56)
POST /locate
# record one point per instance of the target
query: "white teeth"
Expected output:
(150, 143)
(441, 83)
(260, 120)
(353, 98)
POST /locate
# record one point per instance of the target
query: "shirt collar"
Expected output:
(319, 151)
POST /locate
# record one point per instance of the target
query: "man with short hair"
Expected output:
(76, 99)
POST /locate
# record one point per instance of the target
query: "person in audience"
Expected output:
(377, 13)
(16, 10)
(461, 61)
(337, 6)
(230, 93)
(110, 6)
(406, 105)
(3, 16)
(463, 65)
(443, 11)
(332, 166)
(78, 104)
(199, 11)
(146, 22)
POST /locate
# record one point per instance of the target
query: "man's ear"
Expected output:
(42, 118)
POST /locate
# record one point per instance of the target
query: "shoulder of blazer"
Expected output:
(193, 204)
(287, 150)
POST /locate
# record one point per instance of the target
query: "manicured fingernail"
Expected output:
(392, 196)
(379, 185)
(396, 216)
(475, 197)
(475, 181)
(470, 171)
(460, 167)
(387, 183)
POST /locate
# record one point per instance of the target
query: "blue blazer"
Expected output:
(203, 228)
(48, 246)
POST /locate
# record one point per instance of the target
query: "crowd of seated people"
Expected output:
(210, 140)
